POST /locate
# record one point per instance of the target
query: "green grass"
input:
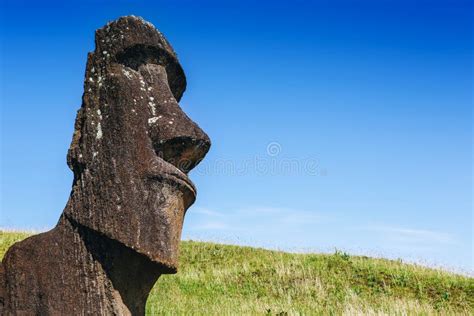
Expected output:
(218, 279)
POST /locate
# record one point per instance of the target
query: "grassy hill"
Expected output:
(221, 280)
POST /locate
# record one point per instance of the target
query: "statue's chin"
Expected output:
(165, 266)
(159, 232)
(153, 222)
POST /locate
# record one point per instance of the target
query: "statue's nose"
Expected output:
(184, 151)
(175, 137)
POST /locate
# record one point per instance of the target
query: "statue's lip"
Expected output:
(169, 173)
(180, 179)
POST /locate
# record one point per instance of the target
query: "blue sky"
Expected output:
(335, 124)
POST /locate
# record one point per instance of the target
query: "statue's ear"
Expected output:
(74, 155)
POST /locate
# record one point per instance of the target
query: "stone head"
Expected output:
(133, 145)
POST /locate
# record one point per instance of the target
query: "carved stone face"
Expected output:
(133, 145)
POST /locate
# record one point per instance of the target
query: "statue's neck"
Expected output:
(126, 276)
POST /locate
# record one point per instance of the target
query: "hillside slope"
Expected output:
(219, 279)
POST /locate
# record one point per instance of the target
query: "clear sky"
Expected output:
(335, 124)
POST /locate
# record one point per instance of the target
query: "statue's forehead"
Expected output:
(132, 41)
(127, 32)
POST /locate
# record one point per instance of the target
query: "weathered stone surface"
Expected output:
(131, 150)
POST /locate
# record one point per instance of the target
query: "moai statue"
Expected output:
(131, 151)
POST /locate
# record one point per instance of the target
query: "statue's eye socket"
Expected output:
(138, 55)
